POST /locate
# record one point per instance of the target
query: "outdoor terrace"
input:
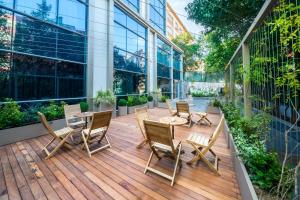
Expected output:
(114, 173)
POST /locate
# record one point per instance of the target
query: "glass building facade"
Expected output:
(42, 49)
(130, 68)
(177, 74)
(158, 15)
(133, 4)
(164, 77)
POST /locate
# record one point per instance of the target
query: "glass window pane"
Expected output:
(126, 83)
(120, 16)
(7, 3)
(34, 37)
(119, 59)
(133, 4)
(6, 77)
(42, 9)
(70, 88)
(6, 28)
(72, 15)
(141, 47)
(164, 85)
(132, 42)
(132, 25)
(70, 70)
(119, 36)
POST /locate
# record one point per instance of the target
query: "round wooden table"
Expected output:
(85, 115)
(173, 121)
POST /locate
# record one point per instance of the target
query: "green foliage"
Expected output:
(191, 48)
(122, 102)
(136, 100)
(163, 98)
(203, 93)
(150, 98)
(263, 167)
(10, 114)
(53, 111)
(143, 99)
(84, 106)
(215, 102)
(105, 97)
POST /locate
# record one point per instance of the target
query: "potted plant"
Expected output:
(162, 102)
(213, 106)
(105, 100)
(150, 102)
(84, 106)
(122, 107)
(136, 102)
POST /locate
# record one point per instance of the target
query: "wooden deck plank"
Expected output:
(115, 173)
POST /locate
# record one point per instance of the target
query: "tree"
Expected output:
(191, 48)
(43, 11)
(226, 22)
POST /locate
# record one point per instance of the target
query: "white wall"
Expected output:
(152, 82)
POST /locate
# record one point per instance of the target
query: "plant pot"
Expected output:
(162, 105)
(122, 110)
(213, 110)
(150, 104)
(131, 109)
(104, 107)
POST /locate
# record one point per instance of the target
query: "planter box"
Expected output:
(151, 104)
(244, 182)
(105, 107)
(122, 110)
(12, 135)
(213, 110)
(131, 109)
(162, 105)
(202, 98)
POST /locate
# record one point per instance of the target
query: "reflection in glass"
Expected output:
(119, 36)
(6, 78)
(6, 28)
(7, 3)
(158, 14)
(70, 70)
(129, 83)
(164, 85)
(42, 9)
(133, 4)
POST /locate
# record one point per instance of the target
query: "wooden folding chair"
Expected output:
(99, 127)
(203, 117)
(61, 135)
(183, 111)
(160, 138)
(202, 144)
(71, 120)
(141, 114)
(169, 104)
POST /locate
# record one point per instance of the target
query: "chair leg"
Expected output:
(176, 165)
(60, 144)
(86, 144)
(142, 143)
(148, 163)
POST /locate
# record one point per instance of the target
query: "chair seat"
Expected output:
(173, 112)
(198, 139)
(93, 132)
(166, 147)
(184, 115)
(75, 124)
(64, 131)
(201, 114)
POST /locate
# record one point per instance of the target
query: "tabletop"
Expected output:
(174, 121)
(84, 114)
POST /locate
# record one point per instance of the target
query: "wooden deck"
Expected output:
(115, 173)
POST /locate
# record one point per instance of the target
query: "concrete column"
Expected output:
(232, 83)
(246, 81)
(172, 76)
(110, 40)
(182, 83)
(227, 80)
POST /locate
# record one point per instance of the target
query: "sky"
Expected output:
(178, 6)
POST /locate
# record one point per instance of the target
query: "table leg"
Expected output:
(86, 122)
(173, 132)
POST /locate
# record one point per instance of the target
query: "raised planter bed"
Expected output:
(162, 105)
(150, 104)
(12, 135)
(131, 109)
(244, 182)
(122, 110)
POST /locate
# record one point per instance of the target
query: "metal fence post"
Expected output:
(246, 80)
(232, 83)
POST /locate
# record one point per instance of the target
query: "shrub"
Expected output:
(53, 111)
(10, 114)
(105, 97)
(164, 98)
(203, 93)
(215, 103)
(84, 106)
(150, 98)
(143, 99)
(122, 102)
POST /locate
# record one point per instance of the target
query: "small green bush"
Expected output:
(143, 99)
(122, 102)
(53, 111)
(105, 97)
(215, 102)
(203, 93)
(164, 98)
(84, 106)
(150, 98)
(10, 114)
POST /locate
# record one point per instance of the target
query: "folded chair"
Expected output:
(203, 144)
(183, 111)
(71, 120)
(172, 112)
(97, 132)
(203, 117)
(141, 114)
(160, 138)
(61, 136)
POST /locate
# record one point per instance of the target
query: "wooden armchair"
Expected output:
(61, 136)
(169, 104)
(203, 144)
(160, 138)
(183, 111)
(141, 114)
(97, 132)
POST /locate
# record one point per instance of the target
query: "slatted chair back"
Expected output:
(216, 133)
(159, 133)
(169, 104)
(142, 114)
(101, 120)
(46, 124)
(71, 111)
(182, 107)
